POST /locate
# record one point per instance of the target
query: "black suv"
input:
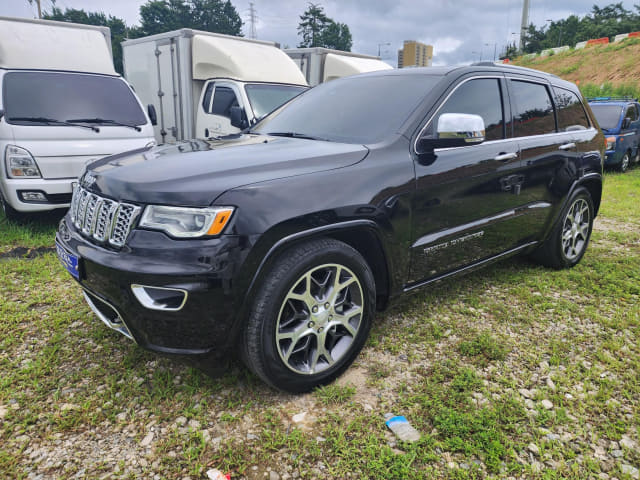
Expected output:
(281, 243)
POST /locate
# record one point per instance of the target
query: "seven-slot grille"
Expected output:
(100, 218)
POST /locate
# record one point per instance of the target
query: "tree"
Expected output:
(158, 16)
(337, 36)
(118, 27)
(318, 30)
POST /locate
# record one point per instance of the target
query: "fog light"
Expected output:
(160, 298)
(33, 196)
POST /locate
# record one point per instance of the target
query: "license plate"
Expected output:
(68, 260)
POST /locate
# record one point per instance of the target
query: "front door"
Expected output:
(466, 206)
(214, 111)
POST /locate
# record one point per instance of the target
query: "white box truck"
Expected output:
(62, 105)
(323, 64)
(206, 84)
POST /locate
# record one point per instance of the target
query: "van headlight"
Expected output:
(611, 143)
(20, 163)
(180, 222)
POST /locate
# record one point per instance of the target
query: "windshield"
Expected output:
(356, 110)
(69, 96)
(608, 116)
(265, 98)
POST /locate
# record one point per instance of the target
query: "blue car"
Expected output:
(619, 119)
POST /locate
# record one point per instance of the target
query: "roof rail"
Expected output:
(612, 99)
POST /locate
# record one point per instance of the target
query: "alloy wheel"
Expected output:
(319, 319)
(575, 231)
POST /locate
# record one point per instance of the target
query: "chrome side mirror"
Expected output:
(465, 127)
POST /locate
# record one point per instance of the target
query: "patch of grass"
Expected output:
(483, 345)
(334, 394)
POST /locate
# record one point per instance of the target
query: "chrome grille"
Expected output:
(102, 219)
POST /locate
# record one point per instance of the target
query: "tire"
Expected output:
(311, 316)
(624, 163)
(569, 239)
(636, 158)
(9, 212)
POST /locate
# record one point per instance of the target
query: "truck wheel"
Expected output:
(9, 212)
(624, 163)
(311, 316)
(569, 239)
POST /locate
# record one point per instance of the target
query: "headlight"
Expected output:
(611, 143)
(182, 222)
(20, 163)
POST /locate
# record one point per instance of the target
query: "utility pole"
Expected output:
(524, 25)
(252, 21)
(39, 7)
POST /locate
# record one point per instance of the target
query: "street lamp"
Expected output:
(495, 46)
(385, 44)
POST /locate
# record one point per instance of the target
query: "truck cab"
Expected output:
(205, 85)
(619, 119)
(62, 105)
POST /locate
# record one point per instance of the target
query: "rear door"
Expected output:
(466, 206)
(554, 134)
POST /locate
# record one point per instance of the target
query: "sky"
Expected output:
(461, 31)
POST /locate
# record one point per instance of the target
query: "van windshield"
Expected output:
(38, 98)
(608, 116)
(359, 110)
(265, 98)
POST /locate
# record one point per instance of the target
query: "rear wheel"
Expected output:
(567, 243)
(310, 317)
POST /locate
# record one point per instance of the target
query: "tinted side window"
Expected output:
(533, 113)
(223, 99)
(571, 114)
(479, 97)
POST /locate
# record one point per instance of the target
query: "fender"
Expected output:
(244, 297)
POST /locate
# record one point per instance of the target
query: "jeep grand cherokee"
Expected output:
(281, 243)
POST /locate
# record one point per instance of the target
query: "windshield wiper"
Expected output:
(106, 121)
(52, 121)
(295, 135)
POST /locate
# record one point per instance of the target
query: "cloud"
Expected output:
(456, 28)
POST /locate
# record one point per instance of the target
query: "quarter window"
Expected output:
(533, 114)
(481, 97)
(571, 114)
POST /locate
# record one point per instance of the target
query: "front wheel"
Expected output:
(311, 316)
(568, 241)
(9, 212)
(624, 163)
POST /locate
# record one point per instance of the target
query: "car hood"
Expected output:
(195, 173)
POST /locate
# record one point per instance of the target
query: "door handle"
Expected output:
(567, 146)
(503, 157)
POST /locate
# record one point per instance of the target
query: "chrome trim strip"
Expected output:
(146, 301)
(434, 237)
(118, 327)
(468, 267)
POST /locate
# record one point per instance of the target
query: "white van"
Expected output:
(62, 104)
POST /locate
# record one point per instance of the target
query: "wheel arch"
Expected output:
(362, 235)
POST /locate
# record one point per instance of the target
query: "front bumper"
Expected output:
(57, 193)
(203, 269)
(612, 157)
